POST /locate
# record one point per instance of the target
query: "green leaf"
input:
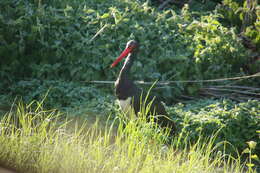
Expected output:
(252, 144)
(89, 11)
(247, 150)
(250, 165)
(255, 157)
(104, 16)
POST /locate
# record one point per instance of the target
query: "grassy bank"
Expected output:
(53, 50)
(36, 140)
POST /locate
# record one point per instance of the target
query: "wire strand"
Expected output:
(182, 81)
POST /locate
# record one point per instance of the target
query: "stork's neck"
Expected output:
(125, 71)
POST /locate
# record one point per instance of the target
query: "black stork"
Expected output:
(129, 95)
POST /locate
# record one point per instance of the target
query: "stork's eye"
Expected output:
(132, 46)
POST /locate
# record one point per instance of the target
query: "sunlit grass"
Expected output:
(35, 140)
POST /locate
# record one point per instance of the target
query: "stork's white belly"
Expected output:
(126, 107)
(125, 104)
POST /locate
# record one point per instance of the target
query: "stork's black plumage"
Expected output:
(128, 93)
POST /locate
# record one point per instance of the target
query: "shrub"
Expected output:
(244, 15)
(58, 94)
(235, 123)
(55, 40)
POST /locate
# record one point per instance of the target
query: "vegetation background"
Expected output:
(51, 50)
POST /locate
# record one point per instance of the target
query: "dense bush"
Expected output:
(55, 40)
(235, 123)
(244, 15)
(54, 93)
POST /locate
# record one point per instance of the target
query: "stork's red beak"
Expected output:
(122, 55)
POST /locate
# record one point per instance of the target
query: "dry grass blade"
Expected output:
(181, 81)
(236, 87)
(237, 93)
(98, 33)
(232, 91)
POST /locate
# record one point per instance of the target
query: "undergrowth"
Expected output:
(36, 140)
(78, 40)
(56, 47)
(237, 123)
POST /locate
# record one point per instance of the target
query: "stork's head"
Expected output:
(131, 47)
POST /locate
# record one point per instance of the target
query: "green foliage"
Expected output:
(79, 40)
(235, 123)
(252, 157)
(244, 15)
(33, 139)
(48, 48)
(216, 48)
(58, 94)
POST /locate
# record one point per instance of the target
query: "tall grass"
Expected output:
(35, 140)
